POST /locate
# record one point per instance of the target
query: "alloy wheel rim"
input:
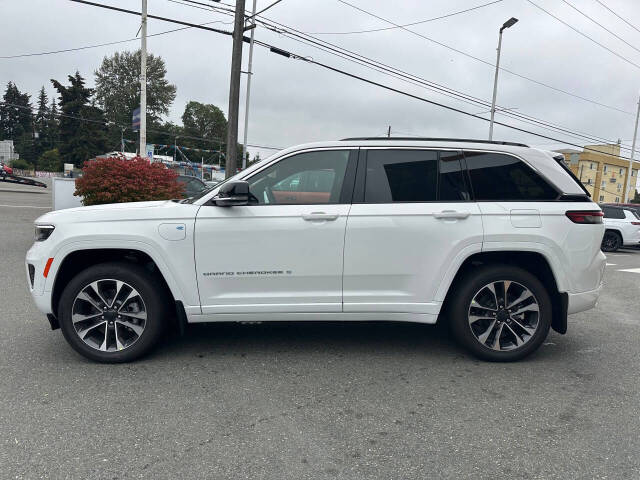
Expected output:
(504, 315)
(610, 241)
(109, 315)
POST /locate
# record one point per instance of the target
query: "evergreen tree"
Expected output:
(16, 120)
(54, 124)
(41, 124)
(83, 132)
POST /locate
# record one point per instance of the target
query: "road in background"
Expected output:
(316, 400)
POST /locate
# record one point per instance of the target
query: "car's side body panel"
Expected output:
(630, 228)
(129, 226)
(396, 255)
(269, 258)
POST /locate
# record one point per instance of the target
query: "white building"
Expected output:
(7, 151)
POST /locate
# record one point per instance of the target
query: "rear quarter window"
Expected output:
(610, 212)
(500, 177)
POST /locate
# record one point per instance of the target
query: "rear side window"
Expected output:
(500, 177)
(616, 213)
(414, 176)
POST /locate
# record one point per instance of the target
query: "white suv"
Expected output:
(622, 228)
(495, 238)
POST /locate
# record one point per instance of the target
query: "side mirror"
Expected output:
(233, 194)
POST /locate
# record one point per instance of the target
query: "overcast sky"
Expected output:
(294, 102)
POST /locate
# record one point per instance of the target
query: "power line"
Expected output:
(621, 57)
(419, 22)
(447, 107)
(288, 54)
(600, 25)
(620, 17)
(216, 8)
(411, 78)
(156, 17)
(264, 9)
(380, 67)
(126, 127)
(490, 64)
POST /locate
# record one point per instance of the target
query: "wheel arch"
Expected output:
(77, 260)
(614, 230)
(533, 262)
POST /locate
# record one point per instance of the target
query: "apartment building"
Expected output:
(602, 172)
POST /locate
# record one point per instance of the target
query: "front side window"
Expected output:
(396, 175)
(302, 179)
(501, 177)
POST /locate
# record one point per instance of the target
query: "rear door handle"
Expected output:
(319, 216)
(451, 214)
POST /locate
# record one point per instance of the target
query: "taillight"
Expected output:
(635, 223)
(593, 216)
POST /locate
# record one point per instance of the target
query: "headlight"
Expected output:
(43, 232)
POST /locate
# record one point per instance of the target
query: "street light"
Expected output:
(509, 23)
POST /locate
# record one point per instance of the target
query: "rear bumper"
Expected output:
(579, 302)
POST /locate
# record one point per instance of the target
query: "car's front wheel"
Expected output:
(500, 313)
(112, 312)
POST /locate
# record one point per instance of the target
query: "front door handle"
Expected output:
(447, 214)
(319, 216)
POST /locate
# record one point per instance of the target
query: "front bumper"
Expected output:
(37, 257)
(579, 302)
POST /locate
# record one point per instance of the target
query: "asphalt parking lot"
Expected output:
(316, 400)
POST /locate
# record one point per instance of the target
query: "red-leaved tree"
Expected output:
(114, 180)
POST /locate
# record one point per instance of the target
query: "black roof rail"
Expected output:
(428, 139)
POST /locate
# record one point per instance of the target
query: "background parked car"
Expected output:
(5, 170)
(622, 228)
(192, 185)
(632, 206)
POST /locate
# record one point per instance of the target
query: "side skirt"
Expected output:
(317, 317)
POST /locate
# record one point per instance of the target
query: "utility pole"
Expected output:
(143, 81)
(249, 75)
(389, 132)
(509, 23)
(234, 90)
(626, 195)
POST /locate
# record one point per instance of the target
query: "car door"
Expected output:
(284, 252)
(411, 222)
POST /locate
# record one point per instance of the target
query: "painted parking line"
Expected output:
(630, 270)
(611, 264)
(24, 206)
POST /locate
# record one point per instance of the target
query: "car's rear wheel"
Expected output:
(112, 312)
(500, 313)
(611, 241)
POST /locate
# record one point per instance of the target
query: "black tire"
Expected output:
(472, 284)
(611, 241)
(150, 290)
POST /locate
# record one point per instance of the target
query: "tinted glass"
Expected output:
(452, 186)
(501, 177)
(610, 212)
(401, 176)
(306, 178)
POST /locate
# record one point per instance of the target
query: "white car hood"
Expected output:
(117, 212)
